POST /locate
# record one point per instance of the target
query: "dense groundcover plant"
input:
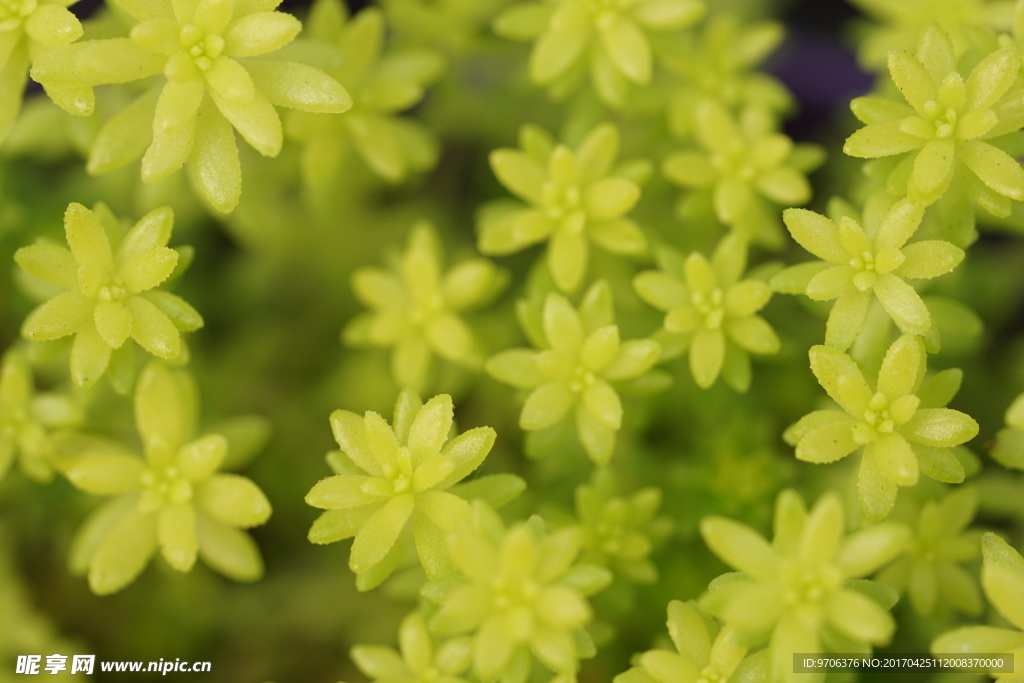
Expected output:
(520, 341)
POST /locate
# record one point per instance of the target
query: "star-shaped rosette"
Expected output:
(608, 39)
(805, 590)
(902, 423)
(573, 197)
(173, 499)
(857, 267)
(713, 310)
(219, 76)
(112, 279)
(943, 129)
(574, 375)
(397, 485)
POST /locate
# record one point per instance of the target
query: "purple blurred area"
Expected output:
(818, 65)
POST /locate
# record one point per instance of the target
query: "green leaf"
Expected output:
(520, 173)
(233, 500)
(378, 661)
(337, 525)
(62, 315)
(494, 489)
(846, 319)
(690, 169)
(794, 280)
(89, 245)
(560, 45)
(176, 531)
(841, 378)
(167, 153)
(567, 259)
(346, 491)
(784, 185)
(618, 236)
(753, 334)
(562, 325)
(516, 367)
(444, 510)
(255, 119)
(816, 234)
(258, 33)
(628, 48)
(1005, 588)
(912, 79)
(298, 86)
(633, 358)
(876, 490)
(707, 354)
(494, 649)
(860, 617)
(992, 77)
(229, 551)
(903, 304)
(896, 458)
(882, 139)
(864, 552)
(998, 552)
(152, 329)
(994, 167)
(827, 443)
(603, 403)
(430, 427)
(123, 553)
(472, 283)
(598, 151)
(95, 529)
(90, 356)
(933, 170)
(465, 453)
(978, 639)
(940, 427)
(380, 533)
(739, 546)
(125, 137)
(214, 160)
(876, 109)
(148, 269)
(700, 276)
(610, 198)
(600, 348)
(546, 405)
(597, 438)
(522, 22)
(939, 464)
(901, 367)
(106, 473)
(661, 290)
(929, 258)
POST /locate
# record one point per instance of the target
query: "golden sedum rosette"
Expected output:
(173, 499)
(218, 80)
(112, 281)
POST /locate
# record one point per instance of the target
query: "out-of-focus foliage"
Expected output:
(173, 500)
(417, 306)
(713, 310)
(573, 197)
(573, 374)
(806, 589)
